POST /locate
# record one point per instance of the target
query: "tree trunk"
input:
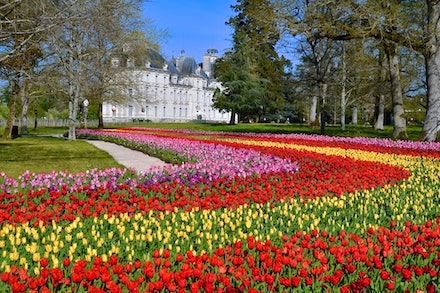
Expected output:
(85, 113)
(35, 118)
(75, 71)
(396, 92)
(100, 118)
(232, 120)
(380, 112)
(354, 117)
(7, 134)
(73, 107)
(322, 124)
(380, 97)
(313, 110)
(343, 93)
(72, 119)
(24, 109)
(323, 110)
(12, 107)
(343, 108)
(431, 128)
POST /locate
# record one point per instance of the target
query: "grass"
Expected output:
(38, 153)
(46, 130)
(45, 154)
(413, 131)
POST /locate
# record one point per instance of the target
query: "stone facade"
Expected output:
(179, 90)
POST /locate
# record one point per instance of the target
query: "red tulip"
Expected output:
(390, 285)
(384, 275)
(44, 262)
(407, 274)
(295, 281)
(397, 268)
(113, 259)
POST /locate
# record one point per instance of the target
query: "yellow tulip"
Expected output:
(36, 257)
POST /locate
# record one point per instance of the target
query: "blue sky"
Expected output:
(192, 25)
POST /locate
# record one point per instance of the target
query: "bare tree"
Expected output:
(89, 32)
(343, 86)
(396, 91)
(21, 30)
(107, 82)
(379, 95)
(23, 22)
(412, 24)
(319, 55)
(354, 81)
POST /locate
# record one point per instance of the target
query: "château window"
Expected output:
(115, 62)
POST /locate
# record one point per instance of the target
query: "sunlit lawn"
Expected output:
(44, 154)
(413, 131)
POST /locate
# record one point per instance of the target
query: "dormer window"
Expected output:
(130, 62)
(115, 62)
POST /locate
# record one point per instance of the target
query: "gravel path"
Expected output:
(128, 157)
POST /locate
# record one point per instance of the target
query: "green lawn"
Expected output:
(44, 154)
(413, 131)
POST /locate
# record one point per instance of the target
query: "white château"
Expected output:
(178, 90)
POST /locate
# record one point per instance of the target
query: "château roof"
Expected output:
(180, 66)
(155, 58)
(188, 66)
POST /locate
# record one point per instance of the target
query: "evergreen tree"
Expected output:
(252, 72)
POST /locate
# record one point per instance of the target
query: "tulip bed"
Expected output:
(237, 213)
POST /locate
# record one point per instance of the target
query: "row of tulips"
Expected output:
(385, 260)
(416, 148)
(77, 236)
